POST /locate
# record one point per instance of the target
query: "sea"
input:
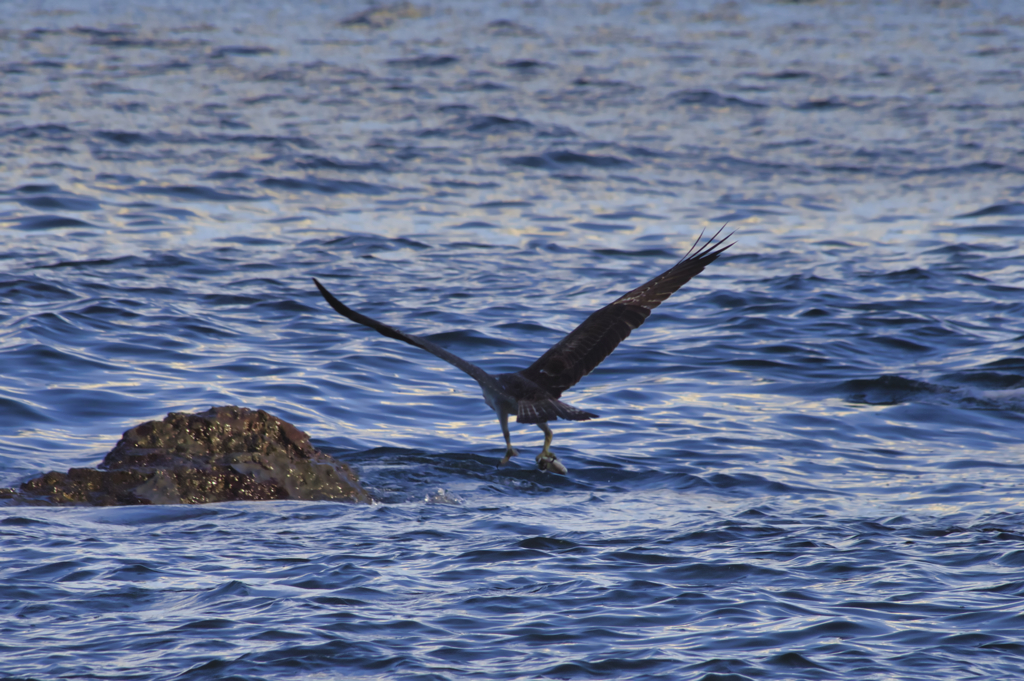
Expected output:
(809, 462)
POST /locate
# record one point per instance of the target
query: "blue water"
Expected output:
(810, 461)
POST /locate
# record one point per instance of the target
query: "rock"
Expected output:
(224, 454)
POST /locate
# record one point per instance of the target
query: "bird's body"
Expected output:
(533, 394)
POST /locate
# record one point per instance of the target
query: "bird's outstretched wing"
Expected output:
(383, 329)
(579, 353)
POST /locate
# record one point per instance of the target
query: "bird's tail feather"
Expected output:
(539, 411)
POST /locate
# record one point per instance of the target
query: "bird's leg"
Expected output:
(509, 451)
(547, 461)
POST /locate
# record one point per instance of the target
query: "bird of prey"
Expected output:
(532, 394)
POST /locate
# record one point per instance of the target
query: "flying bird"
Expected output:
(532, 394)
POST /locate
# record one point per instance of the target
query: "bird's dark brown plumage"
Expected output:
(533, 393)
(579, 353)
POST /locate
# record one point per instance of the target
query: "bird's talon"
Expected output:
(509, 453)
(551, 463)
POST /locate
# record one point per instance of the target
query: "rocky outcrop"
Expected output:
(224, 454)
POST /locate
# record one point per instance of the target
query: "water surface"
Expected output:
(809, 462)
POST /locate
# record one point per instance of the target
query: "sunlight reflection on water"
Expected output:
(823, 424)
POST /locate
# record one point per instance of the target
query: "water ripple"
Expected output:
(808, 462)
